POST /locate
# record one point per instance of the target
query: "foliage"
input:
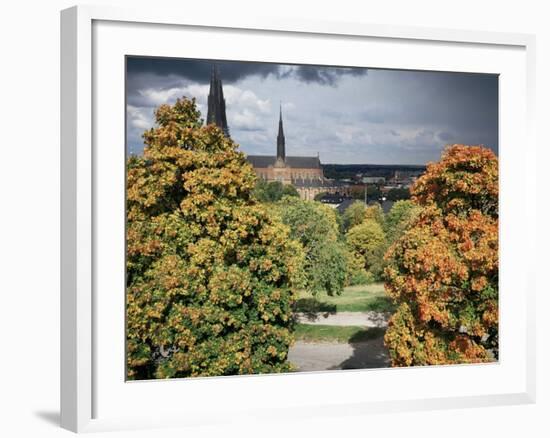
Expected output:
(397, 194)
(358, 192)
(316, 227)
(273, 191)
(211, 276)
(465, 179)
(356, 273)
(443, 272)
(399, 218)
(374, 212)
(353, 215)
(366, 242)
(361, 277)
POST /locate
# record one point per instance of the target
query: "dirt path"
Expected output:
(363, 319)
(336, 356)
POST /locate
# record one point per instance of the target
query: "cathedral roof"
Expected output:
(261, 161)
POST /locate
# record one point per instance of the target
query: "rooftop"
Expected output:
(263, 161)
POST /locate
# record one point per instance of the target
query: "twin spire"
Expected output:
(216, 112)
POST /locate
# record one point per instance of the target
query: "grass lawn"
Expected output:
(354, 299)
(333, 333)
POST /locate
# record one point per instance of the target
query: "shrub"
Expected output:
(211, 277)
(360, 277)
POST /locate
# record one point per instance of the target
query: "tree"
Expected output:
(211, 276)
(353, 215)
(367, 242)
(399, 218)
(397, 194)
(273, 191)
(375, 213)
(443, 272)
(316, 227)
(358, 192)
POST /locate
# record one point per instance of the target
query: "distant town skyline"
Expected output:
(346, 115)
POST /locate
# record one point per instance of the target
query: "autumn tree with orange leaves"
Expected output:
(211, 276)
(443, 272)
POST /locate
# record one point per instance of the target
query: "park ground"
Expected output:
(342, 332)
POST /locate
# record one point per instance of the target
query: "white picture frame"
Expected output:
(91, 387)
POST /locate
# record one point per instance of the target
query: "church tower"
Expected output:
(216, 102)
(281, 155)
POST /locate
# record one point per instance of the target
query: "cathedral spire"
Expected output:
(216, 102)
(281, 137)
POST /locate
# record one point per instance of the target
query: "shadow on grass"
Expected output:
(380, 304)
(311, 307)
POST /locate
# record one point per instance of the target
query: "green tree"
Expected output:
(443, 271)
(211, 276)
(375, 213)
(397, 194)
(316, 227)
(353, 215)
(358, 192)
(273, 191)
(399, 218)
(367, 242)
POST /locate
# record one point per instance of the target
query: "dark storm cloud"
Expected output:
(321, 75)
(198, 70)
(233, 71)
(468, 100)
(342, 114)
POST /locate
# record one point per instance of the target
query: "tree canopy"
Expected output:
(211, 276)
(354, 214)
(374, 212)
(401, 215)
(316, 227)
(443, 271)
(273, 191)
(367, 243)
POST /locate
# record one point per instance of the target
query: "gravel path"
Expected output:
(335, 356)
(363, 319)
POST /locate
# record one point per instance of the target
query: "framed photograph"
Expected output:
(278, 218)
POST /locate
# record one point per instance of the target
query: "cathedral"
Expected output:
(304, 173)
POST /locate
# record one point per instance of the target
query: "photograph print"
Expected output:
(287, 218)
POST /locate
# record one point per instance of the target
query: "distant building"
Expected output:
(285, 169)
(373, 180)
(343, 206)
(304, 173)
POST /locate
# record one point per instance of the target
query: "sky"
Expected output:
(346, 115)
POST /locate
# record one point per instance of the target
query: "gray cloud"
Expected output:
(234, 71)
(345, 115)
